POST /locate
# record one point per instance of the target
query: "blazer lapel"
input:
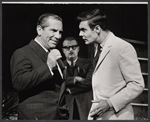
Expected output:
(105, 51)
(38, 50)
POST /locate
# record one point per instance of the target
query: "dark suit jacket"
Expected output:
(38, 89)
(80, 92)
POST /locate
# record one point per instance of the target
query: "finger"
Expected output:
(95, 101)
(95, 109)
(100, 113)
(56, 53)
(92, 110)
(94, 113)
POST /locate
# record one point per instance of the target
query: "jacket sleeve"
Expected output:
(24, 75)
(130, 69)
(86, 84)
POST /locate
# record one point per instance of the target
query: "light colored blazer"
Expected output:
(117, 77)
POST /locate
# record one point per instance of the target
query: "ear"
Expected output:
(39, 30)
(97, 29)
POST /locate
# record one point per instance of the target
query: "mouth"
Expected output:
(84, 39)
(71, 53)
(54, 42)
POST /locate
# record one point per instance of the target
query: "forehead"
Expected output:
(84, 24)
(54, 23)
(69, 43)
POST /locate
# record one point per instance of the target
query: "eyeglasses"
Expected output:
(68, 47)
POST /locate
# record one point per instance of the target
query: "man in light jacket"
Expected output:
(117, 77)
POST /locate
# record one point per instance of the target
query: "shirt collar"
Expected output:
(74, 62)
(40, 44)
(101, 44)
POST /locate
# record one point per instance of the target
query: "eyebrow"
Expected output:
(82, 29)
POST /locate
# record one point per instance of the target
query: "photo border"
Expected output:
(69, 1)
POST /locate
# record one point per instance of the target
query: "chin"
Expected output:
(71, 58)
(53, 46)
(87, 42)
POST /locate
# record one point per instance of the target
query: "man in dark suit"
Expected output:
(36, 74)
(78, 81)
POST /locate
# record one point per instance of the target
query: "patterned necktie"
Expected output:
(97, 56)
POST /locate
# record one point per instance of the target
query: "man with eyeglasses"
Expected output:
(78, 82)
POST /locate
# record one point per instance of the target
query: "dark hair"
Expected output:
(70, 39)
(42, 21)
(94, 17)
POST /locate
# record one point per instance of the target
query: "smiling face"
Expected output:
(87, 34)
(51, 34)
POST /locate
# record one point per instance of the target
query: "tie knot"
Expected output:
(98, 50)
(99, 47)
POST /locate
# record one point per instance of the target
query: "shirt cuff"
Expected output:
(68, 90)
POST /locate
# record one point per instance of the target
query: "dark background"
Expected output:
(19, 26)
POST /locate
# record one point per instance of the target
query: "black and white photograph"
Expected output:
(74, 60)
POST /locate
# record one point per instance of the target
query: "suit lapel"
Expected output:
(79, 62)
(105, 51)
(38, 50)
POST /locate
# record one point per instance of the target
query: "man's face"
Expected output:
(88, 35)
(51, 34)
(70, 49)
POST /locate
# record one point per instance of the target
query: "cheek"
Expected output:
(66, 54)
(45, 36)
(60, 35)
(76, 52)
(49, 34)
(88, 34)
(92, 36)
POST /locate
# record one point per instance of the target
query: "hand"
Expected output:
(101, 108)
(52, 57)
(56, 53)
(77, 79)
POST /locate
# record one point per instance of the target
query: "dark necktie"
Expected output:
(97, 56)
(71, 69)
(71, 63)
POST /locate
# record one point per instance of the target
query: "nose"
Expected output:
(80, 33)
(70, 49)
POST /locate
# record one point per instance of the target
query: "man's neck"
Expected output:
(74, 60)
(103, 36)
